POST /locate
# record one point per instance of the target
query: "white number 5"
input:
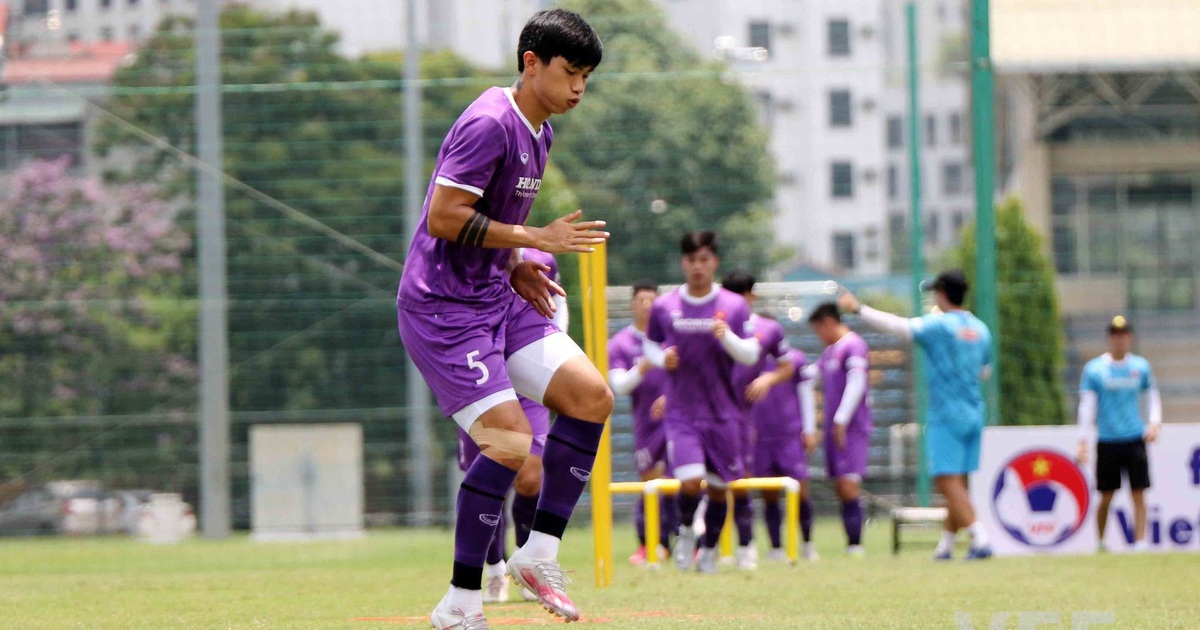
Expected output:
(476, 365)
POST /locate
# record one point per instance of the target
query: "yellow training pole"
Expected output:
(726, 540)
(594, 270)
(652, 494)
(792, 518)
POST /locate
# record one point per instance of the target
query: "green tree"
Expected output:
(664, 143)
(1031, 339)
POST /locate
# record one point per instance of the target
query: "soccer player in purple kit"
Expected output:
(751, 382)
(473, 317)
(698, 332)
(631, 374)
(528, 484)
(785, 430)
(843, 372)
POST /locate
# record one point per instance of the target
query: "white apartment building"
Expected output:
(833, 93)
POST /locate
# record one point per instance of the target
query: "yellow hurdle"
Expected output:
(594, 271)
(651, 490)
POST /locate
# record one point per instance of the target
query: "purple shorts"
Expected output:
(697, 446)
(462, 354)
(539, 421)
(850, 461)
(650, 451)
(783, 458)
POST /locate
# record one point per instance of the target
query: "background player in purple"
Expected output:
(473, 317)
(843, 371)
(785, 430)
(631, 374)
(528, 484)
(698, 332)
(771, 369)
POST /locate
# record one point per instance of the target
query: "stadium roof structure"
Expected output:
(1086, 36)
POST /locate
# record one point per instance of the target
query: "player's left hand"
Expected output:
(848, 303)
(839, 435)
(719, 328)
(811, 440)
(1151, 433)
(659, 408)
(758, 388)
(529, 280)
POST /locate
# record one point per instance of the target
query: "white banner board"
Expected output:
(1033, 497)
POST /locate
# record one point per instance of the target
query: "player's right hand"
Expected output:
(564, 235)
(658, 410)
(811, 440)
(1081, 456)
(671, 358)
(848, 303)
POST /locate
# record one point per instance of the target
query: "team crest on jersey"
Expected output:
(524, 158)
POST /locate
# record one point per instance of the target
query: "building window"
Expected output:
(842, 174)
(895, 132)
(135, 32)
(766, 109)
(893, 181)
(106, 34)
(36, 7)
(760, 34)
(71, 5)
(952, 178)
(843, 250)
(104, 4)
(956, 134)
(133, 3)
(931, 130)
(19, 143)
(72, 37)
(932, 226)
(839, 109)
(839, 38)
(959, 221)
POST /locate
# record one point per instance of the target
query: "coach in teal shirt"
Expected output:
(1110, 396)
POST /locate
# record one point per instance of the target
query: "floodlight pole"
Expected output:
(917, 241)
(984, 158)
(420, 441)
(210, 236)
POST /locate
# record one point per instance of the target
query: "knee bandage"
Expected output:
(501, 443)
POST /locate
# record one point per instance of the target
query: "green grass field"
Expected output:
(392, 578)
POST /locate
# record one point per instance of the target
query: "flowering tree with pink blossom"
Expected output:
(92, 315)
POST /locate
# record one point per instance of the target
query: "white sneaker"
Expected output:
(856, 551)
(777, 555)
(747, 558)
(685, 548)
(1140, 547)
(446, 617)
(706, 561)
(809, 552)
(544, 577)
(495, 589)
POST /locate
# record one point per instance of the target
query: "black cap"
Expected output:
(952, 281)
(1119, 324)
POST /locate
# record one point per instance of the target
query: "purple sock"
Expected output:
(566, 467)
(669, 519)
(496, 551)
(714, 521)
(639, 521)
(806, 519)
(480, 505)
(523, 509)
(852, 518)
(774, 518)
(743, 517)
(688, 504)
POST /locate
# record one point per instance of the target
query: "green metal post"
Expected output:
(917, 241)
(983, 138)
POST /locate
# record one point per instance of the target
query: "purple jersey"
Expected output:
(777, 417)
(775, 346)
(848, 353)
(494, 152)
(624, 350)
(702, 387)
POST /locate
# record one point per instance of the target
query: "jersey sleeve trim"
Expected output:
(442, 180)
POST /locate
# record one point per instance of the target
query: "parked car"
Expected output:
(75, 507)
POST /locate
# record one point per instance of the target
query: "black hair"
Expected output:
(827, 310)
(694, 240)
(560, 33)
(738, 281)
(952, 283)
(644, 285)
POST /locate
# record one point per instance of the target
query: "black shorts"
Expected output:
(1114, 457)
